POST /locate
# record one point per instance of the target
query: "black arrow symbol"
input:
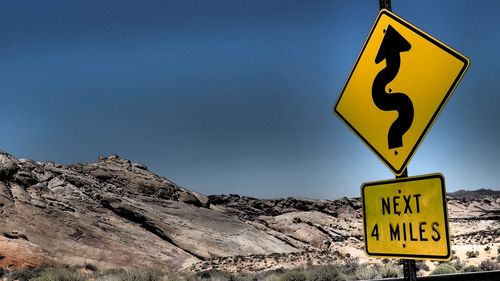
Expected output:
(392, 45)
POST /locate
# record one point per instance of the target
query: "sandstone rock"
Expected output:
(116, 213)
(25, 178)
(101, 174)
(8, 166)
(139, 166)
(15, 235)
(19, 253)
(189, 198)
(5, 193)
(203, 199)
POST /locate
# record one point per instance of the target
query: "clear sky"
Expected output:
(233, 96)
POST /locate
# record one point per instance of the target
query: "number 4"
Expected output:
(375, 231)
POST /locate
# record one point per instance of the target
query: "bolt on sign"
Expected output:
(406, 217)
(400, 82)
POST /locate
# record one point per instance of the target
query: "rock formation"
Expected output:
(116, 213)
(113, 213)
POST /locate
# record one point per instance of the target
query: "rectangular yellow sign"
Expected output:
(406, 218)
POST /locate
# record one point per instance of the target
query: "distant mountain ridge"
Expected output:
(476, 194)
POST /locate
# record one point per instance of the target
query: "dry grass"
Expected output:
(350, 269)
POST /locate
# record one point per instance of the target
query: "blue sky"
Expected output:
(233, 96)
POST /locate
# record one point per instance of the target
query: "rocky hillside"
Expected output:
(115, 213)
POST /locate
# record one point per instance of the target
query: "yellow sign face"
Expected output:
(406, 218)
(400, 82)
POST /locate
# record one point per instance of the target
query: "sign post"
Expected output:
(409, 266)
(385, 4)
(399, 84)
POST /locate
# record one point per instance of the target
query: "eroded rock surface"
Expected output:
(116, 213)
(113, 213)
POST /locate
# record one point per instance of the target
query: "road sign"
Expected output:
(407, 218)
(400, 82)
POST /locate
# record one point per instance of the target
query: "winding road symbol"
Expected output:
(392, 45)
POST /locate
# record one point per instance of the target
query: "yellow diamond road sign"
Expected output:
(397, 87)
(406, 218)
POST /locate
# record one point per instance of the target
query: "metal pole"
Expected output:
(385, 4)
(409, 270)
(409, 267)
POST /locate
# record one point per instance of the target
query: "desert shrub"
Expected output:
(212, 274)
(269, 275)
(113, 271)
(421, 265)
(59, 274)
(111, 274)
(457, 264)
(367, 271)
(241, 277)
(89, 266)
(25, 274)
(470, 268)
(443, 269)
(272, 275)
(326, 273)
(130, 275)
(472, 254)
(350, 265)
(488, 265)
(389, 270)
(487, 248)
(293, 276)
(175, 277)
